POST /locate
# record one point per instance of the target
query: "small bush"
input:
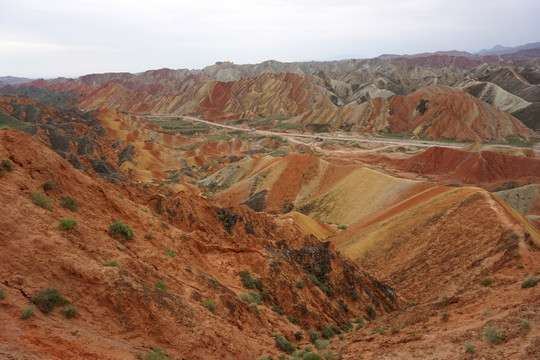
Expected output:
(335, 329)
(299, 284)
(6, 164)
(327, 332)
(156, 354)
(250, 282)
(298, 335)
(328, 355)
(120, 230)
(313, 335)
(251, 297)
(487, 281)
(148, 236)
(514, 236)
(469, 347)
(170, 252)
(386, 308)
(277, 309)
(48, 185)
(360, 322)
(292, 319)
(209, 304)
(67, 224)
(48, 299)
(2, 294)
(530, 282)
(69, 311)
(379, 330)
(69, 203)
(311, 356)
(370, 311)
(283, 344)
(321, 344)
(41, 200)
(342, 227)
(494, 335)
(161, 286)
(525, 324)
(111, 264)
(444, 315)
(28, 312)
(255, 309)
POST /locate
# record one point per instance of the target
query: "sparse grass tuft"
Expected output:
(494, 335)
(111, 264)
(156, 354)
(161, 286)
(299, 284)
(298, 335)
(48, 185)
(209, 304)
(120, 230)
(148, 236)
(342, 227)
(48, 299)
(313, 335)
(469, 347)
(67, 224)
(283, 344)
(249, 282)
(514, 236)
(69, 311)
(277, 309)
(69, 203)
(327, 332)
(2, 294)
(41, 200)
(530, 282)
(251, 297)
(28, 312)
(170, 252)
(487, 281)
(321, 344)
(379, 330)
(6, 164)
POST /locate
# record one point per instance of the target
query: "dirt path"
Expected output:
(321, 136)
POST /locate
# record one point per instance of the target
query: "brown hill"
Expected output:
(474, 168)
(193, 248)
(435, 112)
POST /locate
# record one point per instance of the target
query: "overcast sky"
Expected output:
(50, 38)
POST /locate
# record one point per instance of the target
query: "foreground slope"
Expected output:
(184, 244)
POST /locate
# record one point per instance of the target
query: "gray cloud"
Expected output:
(71, 38)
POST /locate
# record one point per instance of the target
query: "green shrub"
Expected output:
(67, 224)
(327, 332)
(469, 347)
(48, 185)
(298, 335)
(156, 354)
(370, 311)
(48, 299)
(299, 284)
(2, 294)
(6, 164)
(277, 309)
(379, 330)
(255, 309)
(209, 304)
(328, 355)
(69, 311)
(170, 252)
(283, 344)
(494, 335)
(41, 200)
(111, 264)
(161, 286)
(69, 203)
(321, 344)
(311, 356)
(313, 335)
(28, 312)
(148, 236)
(320, 284)
(250, 282)
(386, 308)
(487, 281)
(335, 329)
(120, 230)
(251, 297)
(292, 319)
(525, 324)
(515, 236)
(530, 282)
(360, 322)
(342, 227)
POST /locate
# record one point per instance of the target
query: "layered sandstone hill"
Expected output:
(186, 254)
(434, 112)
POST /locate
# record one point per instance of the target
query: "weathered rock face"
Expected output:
(182, 242)
(435, 112)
